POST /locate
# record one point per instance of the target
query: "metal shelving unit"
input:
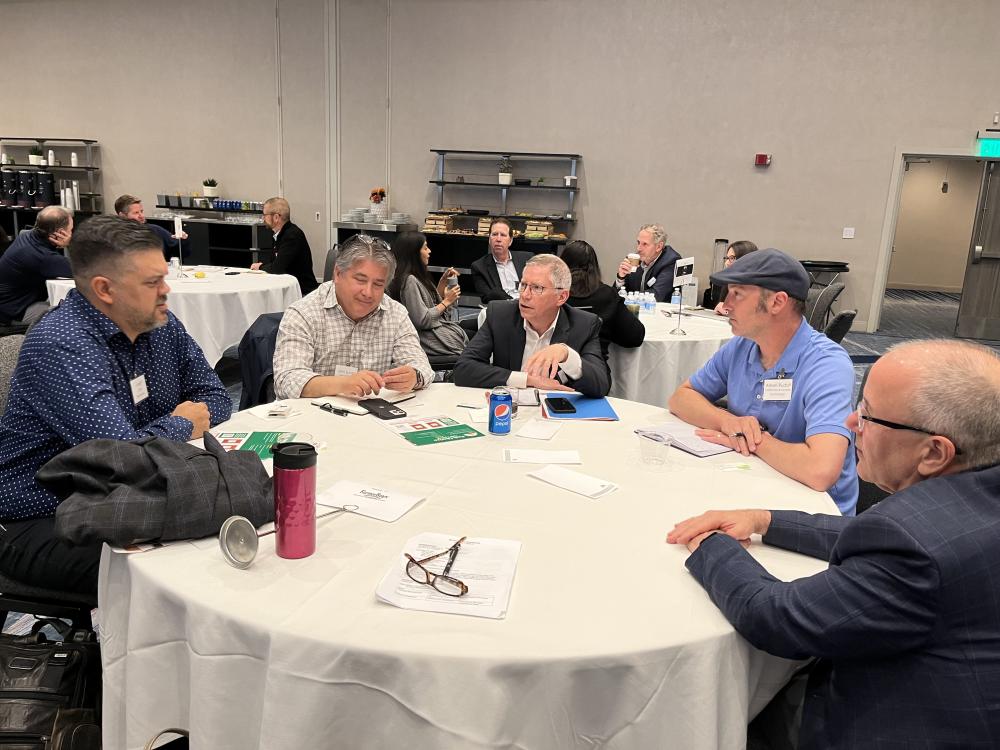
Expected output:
(515, 156)
(91, 195)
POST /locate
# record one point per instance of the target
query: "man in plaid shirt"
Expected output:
(348, 337)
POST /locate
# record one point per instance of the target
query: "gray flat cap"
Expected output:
(770, 269)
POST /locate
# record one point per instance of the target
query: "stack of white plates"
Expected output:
(398, 218)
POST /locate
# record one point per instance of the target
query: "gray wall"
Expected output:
(176, 92)
(934, 229)
(666, 100)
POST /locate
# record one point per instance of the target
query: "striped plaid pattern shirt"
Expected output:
(316, 336)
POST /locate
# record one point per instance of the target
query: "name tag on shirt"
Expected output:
(139, 391)
(342, 371)
(778, 389)
(650, 281)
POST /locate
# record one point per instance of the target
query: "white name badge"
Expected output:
(139, 391)
(342, 371)
(778, 389)
(650, 281)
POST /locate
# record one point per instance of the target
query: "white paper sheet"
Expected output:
(527, 456)
(574, 481)
(486, 566)
(374, 502)
(539, 429)
(479, 416)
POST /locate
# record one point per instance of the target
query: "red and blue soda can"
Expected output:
(501, 406)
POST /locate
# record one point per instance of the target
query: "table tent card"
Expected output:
(374, 502)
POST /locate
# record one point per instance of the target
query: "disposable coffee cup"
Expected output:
(634, 260)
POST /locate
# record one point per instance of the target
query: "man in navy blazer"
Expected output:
(537, 341)
(497, 274)
(905, 622)
(657, 259)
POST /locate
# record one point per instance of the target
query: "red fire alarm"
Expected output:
(762, 160)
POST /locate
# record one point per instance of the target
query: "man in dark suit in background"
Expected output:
(537, 341)
(497, 274)
(905, 622)
(655, 272)
(291, 248)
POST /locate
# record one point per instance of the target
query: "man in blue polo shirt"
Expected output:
(129, 207)
(789, 387)
(111, 361)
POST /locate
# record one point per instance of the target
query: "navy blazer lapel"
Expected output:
(491, 271)
(516, 341)
(561, 333)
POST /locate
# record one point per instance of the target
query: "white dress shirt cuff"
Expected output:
(518, 379)
(573, 366)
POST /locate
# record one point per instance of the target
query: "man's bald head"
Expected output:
(950, 388)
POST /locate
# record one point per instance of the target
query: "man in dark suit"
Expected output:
(497, 274)
(905, 622)
(291, 248)
(655, 272)
(537, 341)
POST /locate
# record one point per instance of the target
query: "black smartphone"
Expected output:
(382, 408)
(560, 405)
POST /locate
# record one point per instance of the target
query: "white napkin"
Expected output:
(525, 456)
(538, 429)
(574, 481)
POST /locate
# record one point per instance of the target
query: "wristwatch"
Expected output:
(420, 380)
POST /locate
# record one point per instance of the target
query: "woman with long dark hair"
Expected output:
(734, 252)
(426, 303)
(588, 292)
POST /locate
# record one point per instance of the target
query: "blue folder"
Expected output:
(586, 408)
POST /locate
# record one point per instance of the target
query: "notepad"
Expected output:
(574, 481)
(683, 436)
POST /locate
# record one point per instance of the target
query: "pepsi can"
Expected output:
(501, 406)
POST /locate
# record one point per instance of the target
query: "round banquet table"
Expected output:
(607, 641)
(651, 372)
(218, 309)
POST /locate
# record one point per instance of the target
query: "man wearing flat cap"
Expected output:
(788, 387)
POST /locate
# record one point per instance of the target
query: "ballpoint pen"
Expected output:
(332, 409)
(451, 556)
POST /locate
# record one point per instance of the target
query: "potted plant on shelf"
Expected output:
(506, 170)
(210, 188)
(35, 155)
(379, 204)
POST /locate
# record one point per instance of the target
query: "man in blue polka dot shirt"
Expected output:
(110, 362)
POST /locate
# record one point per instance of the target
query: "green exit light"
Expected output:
(989, 147)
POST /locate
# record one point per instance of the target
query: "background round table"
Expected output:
(218, 309)
(651, 372)
(608, 641)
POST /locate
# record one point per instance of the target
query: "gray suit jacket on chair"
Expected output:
(502, 338)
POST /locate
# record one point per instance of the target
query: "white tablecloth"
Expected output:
(218, 309)
(608, 641)
(651, 372)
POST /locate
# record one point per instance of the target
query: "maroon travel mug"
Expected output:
(294, 499)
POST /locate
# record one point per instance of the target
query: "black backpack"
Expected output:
(50, 691)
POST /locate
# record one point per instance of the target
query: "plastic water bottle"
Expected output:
(622, 293)
(650, 303)
(676, 298)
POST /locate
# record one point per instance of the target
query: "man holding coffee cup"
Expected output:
(651, 267)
